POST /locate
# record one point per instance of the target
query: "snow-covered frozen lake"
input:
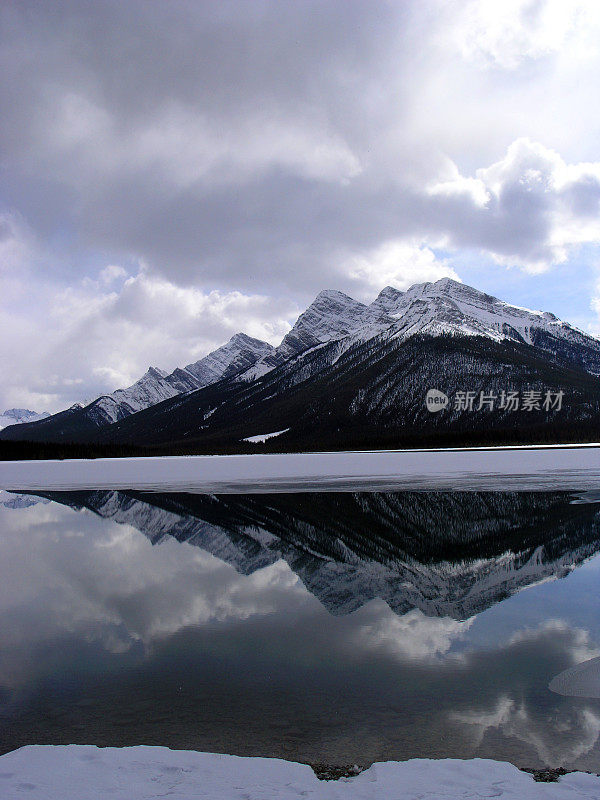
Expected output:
(495, 468)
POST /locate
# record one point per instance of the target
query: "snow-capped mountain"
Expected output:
(446, 553)
(448, 306)
(332, 316)
(152, 388)
(18, 416)
(443, 307)
(349, 365)
(238, 354)
(371, 392)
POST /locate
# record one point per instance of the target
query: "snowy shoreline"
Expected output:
(87, 772)
(539, 467)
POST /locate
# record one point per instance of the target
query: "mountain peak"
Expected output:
(331, 314)
(453, 287)
(333, 294)
(238, 337)
(446, 281)
(155, 372)
(389, 291)
(243, 340)
(328, 302)
(240, 352)
(387, 300)
(16, 416)
(433, 287)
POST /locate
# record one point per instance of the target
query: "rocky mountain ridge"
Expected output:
(360, 364)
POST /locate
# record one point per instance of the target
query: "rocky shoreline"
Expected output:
(334, 772)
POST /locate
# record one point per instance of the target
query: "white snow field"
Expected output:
(582, 680)
(86, 772)
(530, 468)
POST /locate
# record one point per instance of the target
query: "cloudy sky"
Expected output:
(174, 172)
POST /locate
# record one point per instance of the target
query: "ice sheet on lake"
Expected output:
(583, 680)
(526, 468)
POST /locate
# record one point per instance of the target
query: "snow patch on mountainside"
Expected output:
(262, 437)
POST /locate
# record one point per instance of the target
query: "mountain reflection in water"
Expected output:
(450, 554)
(334, 627)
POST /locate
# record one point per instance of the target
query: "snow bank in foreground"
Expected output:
(86, 772)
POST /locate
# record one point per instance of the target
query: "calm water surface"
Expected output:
(336, 627)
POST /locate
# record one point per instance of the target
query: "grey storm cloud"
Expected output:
(203, 137)
(242, 144)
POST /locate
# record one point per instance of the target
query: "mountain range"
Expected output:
(352, 373)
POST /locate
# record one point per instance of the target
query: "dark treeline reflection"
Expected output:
(445, 553)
